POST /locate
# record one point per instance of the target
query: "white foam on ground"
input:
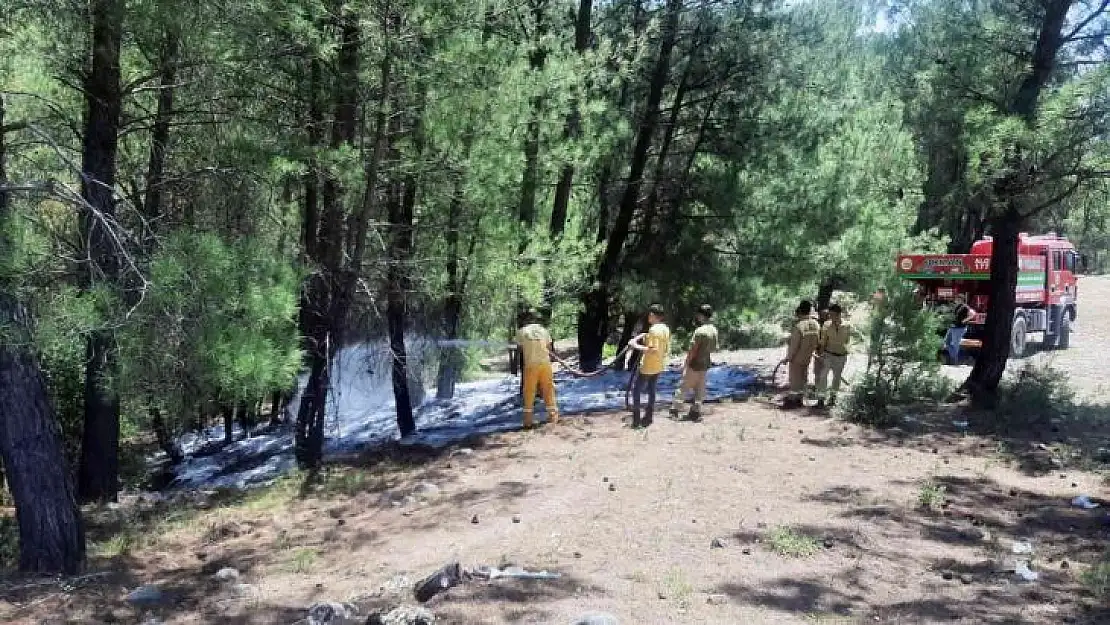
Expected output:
(361, 415)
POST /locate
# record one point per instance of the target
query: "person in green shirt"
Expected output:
(698, 362)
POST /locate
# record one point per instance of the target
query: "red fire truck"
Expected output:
(1047, 288)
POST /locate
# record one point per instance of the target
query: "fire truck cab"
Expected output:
(1047, 288)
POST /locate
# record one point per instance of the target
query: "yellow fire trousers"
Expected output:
(539, 377)
(798, 374)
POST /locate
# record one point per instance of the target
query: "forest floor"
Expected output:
(754, 515)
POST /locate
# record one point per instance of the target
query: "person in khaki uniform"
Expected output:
(832, 352)
(804, 337)
(698, 361)
(535, 346)
(822, 316)
(655, 345)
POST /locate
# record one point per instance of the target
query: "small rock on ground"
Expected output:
(596, 618)
(227, 574)
(403, 615)
(146, 596)
(717, 599)
(331, 613)
(426, 489)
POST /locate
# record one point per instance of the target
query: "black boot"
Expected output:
(636, 420)
(694, 414)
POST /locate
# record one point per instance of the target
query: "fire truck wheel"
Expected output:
(1018, 342)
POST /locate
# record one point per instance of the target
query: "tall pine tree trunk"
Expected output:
(326, 299)
(277, 408)
(530, 179)
(593, 319)
(227, 411)
(571, 130)
(98, 476)
(991, 363)
(310, 220)
(450, 358)
(160, 133)
(1010, 192)
(164, 437)
(582, 31)
(402, 206)
(627, 331)
(395, 314)
(51, 534)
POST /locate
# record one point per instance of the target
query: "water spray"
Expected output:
(473, 343)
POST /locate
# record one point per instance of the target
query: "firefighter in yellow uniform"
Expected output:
(535, 346)
(804, 338)
(832, 351)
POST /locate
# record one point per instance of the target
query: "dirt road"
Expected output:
(1087, 362)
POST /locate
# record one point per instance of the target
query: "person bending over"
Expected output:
(962, 315)
(535, 347)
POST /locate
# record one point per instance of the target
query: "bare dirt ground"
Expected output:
(754, 515)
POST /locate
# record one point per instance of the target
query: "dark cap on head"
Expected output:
(805, 308)
(656, 309)
(835, 308)
(530, 315)
(705, 310)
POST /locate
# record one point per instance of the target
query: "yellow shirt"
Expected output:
(835, 339)
(533, 340)
(659, 337)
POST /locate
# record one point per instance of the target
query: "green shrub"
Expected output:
(747, 329)
(902, 368)
(1097, 578)
(790, 543)
(931, 495)
(1033, 395)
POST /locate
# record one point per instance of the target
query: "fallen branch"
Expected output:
(453, 574)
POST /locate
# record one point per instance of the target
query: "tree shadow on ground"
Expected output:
(958, 553)
(344, 506)
(1076, 437)
(516, 601)
(100, 597)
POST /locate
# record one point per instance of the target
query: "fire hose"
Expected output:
(775, 373)
(582, 374)
(631, 374)
(604, 367)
